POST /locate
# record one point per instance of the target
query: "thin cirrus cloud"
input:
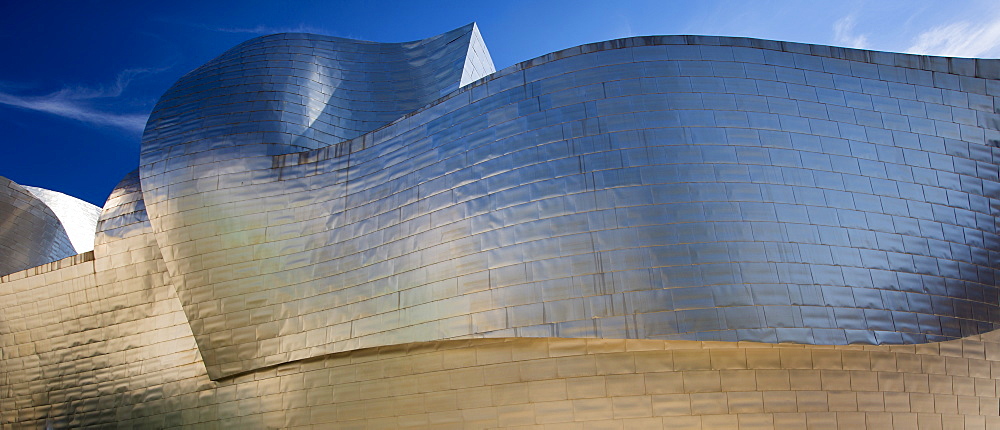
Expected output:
(960, 39)
(77, 103)
(844, 34)
(258, 29)
(262, 29)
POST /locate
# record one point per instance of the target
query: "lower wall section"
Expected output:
(578, 384)
(114, 350)
(585, 384)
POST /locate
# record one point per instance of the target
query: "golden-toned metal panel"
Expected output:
(137, 365)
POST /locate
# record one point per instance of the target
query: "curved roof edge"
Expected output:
(454, 32)
(986, 68)
(979, 68)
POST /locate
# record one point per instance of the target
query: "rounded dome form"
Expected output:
(124, 213)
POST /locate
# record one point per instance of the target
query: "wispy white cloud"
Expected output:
(77, 103)
(844, 34)
(623, 26)
(960, 39)
(263, 29)
(72, 109)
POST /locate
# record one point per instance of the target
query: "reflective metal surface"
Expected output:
(658, 188)
(39, 226)
(214, 212)
(132, 363)
(78, 217)
(699, 232)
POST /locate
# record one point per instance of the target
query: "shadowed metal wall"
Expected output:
(664, 197)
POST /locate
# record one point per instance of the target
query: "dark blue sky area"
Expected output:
(79, 78)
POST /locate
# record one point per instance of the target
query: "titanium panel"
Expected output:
(134, 364)
(651, 188)
(78, 217)
(31, 234)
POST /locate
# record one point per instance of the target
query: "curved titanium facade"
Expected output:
(200, 167)
(78, 217)
(648, 188)
(666, 231)
(39, 226)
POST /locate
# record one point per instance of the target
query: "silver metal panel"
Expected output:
(78, 217)
(648, 177)
(31, 233)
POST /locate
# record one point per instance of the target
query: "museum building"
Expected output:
(663, 231)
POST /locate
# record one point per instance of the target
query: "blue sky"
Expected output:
(79, 78)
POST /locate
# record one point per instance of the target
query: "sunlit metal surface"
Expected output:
(39, 226)
(128, 360)
(663, 187)
(78, 217)
(216, 214)
(698, 232)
